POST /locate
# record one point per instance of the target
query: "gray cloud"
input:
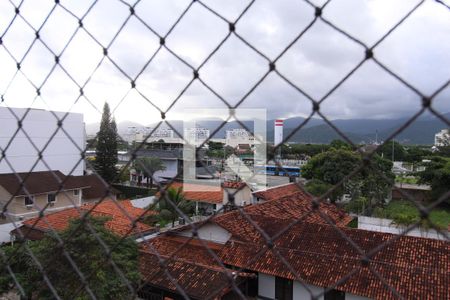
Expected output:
(417, 51)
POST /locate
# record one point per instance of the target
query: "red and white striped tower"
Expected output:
(278, 135)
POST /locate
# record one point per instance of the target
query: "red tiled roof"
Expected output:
(234, 184)
(277, 191)
(287, 208)
(37, 182)
(119, 223)
(184, 248)
(415, 267)
(199, 193)
(197, 281)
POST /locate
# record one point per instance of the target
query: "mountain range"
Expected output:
(420, 132)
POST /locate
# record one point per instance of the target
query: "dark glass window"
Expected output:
(51, 198)
(29, 200)
(334, 295)
(76, 192)
(283, 288)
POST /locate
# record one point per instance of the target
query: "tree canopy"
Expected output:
(437, 174)
(88, 255)
(148, 166)
(331, 167)
(167, 211)
(106, 150)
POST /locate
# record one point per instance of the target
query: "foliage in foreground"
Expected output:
(406, 213)
(167, 211)
(86, 252)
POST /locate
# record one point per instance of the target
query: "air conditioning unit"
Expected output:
(29, 207)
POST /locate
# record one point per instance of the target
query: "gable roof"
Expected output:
(277, 191)
(95, 187)
(119, 223)
(37, 183)
(189, 263)
(200, 193)
(414, 267)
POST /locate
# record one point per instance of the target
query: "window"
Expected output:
(29, 200)
(283, 288)
(334, 295)
(51, 198)
(76, 192)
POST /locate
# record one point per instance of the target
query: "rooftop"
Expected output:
(39, 182)
(122, 214)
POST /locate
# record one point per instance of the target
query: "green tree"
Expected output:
(333, 166)
(436, 174)
(148, 166)
(317, 187)
(340, 144)
(385, 151)
(89, 256)
(167, 211)
(106, 150)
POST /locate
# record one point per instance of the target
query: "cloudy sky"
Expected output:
(418, 51)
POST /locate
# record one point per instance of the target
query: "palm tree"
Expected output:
(148, 166)
(166, 208)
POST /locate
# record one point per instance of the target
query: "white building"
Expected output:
(141, 134)
(60, 152)
(238, 136)
(196, 136)
(442, 138)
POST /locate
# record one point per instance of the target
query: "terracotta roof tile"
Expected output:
(277, 191)
(415, 267)
(119, 223)
(197, 281)
(200, 193)
(233, 184)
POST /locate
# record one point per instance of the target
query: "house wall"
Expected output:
(60, 154)
(63, 200)
(4, 196)
(354, 297)
(266, 290)
(266, 286)
(210, 232)
(242, 196)
(301, 293)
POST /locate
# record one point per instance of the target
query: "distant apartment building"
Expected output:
(196, 136)
(235, 137)
(149, 134)
(442, 138)
(38, 133)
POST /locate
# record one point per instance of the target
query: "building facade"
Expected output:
(60, 150)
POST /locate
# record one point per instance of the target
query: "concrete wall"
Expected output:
(60, 154)
(354, 297)
(387, 225)
(64, 200)
(210, 232)
(241, 198)
(301, 293)
(266, 286)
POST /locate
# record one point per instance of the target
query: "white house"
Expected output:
(38, 132)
